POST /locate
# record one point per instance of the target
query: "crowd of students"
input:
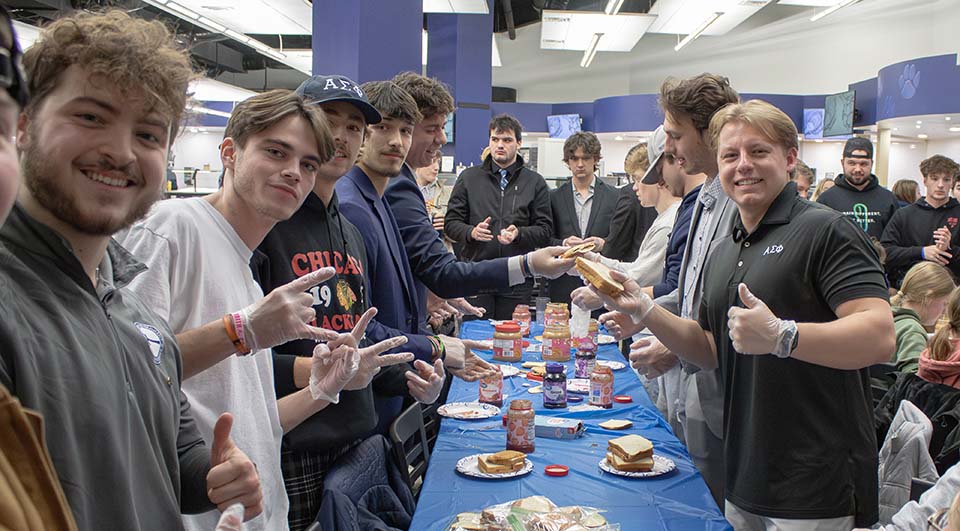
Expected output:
(203, 362)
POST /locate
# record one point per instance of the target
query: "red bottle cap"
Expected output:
(556, 470)
(623, 399)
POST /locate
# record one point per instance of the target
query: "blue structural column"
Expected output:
(367, 40)
(458, 53)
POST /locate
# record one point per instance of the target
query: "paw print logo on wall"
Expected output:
(909, 81)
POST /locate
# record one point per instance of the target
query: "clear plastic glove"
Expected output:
(586, 298)
(546, 262)
(508, 235)
(597, 242)
(231, 519)
(632, 301)
(650, 358)
(331, 370)
(474, 367)
(372, 360)
(619, 324)
(425, 384)
(754, 329)
(455, 352)
(570, 241)
(283, 315)
(465, 308)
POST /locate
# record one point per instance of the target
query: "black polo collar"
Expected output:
(779, 212)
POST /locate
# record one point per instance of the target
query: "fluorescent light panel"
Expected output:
(700, 29)
(568, 30)
(613, 7)
(832, 9)
(591, 50)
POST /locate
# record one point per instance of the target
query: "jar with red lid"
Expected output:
(507, 342)
(601, 387)
(491, 388)
(557, 313)
(521, 426)
(523, 317)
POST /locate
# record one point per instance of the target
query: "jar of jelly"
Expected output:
(601, 387)
(521, 427)
(555, 386)
(585, 362)
(491, 388)
(507, 342)
(521, 314)
(556, 343)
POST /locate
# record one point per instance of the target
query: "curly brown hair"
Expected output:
(698, 98)
(938, 164)
(392, 101)
(137, 56)
(586, 141)
(431, 94)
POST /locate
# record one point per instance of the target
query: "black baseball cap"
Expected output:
(322, 88)
(858, 143)
(12, 78)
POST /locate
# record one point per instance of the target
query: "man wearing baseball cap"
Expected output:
(858, 194)
(317, 236)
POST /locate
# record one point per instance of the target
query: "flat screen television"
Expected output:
(448, 128)
(563, 125)
(838, 111)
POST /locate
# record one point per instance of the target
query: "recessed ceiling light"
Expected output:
(618, 137)
(896, 128)
(918, 127)
(896, 143)
(913, 146)
(955, 129)
(947, 118)
(819, 140)
(919, 122)
(922, 136)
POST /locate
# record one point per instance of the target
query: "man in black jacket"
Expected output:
(927, 229)
(858, 194)
(582, 207)
(500, 208)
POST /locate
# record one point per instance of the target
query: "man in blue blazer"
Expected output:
(433, 266)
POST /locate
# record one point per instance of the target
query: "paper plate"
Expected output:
(580, 386)
(614, 365)
(661, 465)
(605, 339)
(468, 467)
(468, 410)
(509, 370)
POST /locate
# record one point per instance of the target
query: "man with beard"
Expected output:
(101, 367)
(199, 250)
(858, 194)
(501, 208)
(927, 229)
(433, 266)
(388, 269)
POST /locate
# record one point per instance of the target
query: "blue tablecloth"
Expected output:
(678, 500)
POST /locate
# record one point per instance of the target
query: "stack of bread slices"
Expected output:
(501, 462)
(630, 453)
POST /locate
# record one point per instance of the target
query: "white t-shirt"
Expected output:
(198, 271)
(647, 269)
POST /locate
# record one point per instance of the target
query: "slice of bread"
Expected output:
(630, 447)
(487, 467)
(578, 250)
(616, 424)
(536, 504)
(641, 465)
(506, 457)
(599, 276)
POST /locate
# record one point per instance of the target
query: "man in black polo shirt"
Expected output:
(799, 437)
(858, 193)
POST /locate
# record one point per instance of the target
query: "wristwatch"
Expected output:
(788, 340)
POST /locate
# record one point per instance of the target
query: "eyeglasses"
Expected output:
(938, 520)
(12, 78)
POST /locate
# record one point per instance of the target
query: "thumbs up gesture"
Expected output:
(233, 477)
(283, 315)
(754, 329)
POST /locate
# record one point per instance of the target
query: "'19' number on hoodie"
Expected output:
(321, 295)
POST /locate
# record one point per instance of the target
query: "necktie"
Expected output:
(503, 179)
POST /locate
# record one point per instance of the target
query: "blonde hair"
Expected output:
(769, 120)
(924, 281)
(821, 187)
(636, 160)
(940, 345)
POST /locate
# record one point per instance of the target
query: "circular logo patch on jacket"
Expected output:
(154, 339)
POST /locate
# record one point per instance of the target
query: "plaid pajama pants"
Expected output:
(303, 473)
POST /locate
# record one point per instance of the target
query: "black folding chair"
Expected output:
(918, 487)
(410, 447)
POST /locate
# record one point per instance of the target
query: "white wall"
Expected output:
(197, 149)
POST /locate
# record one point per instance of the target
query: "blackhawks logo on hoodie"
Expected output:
(345, 295)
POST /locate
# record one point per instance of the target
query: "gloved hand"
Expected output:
(455, 350)
(546, 262)
(754, 329)
(371, 361)
(650, 358)
(465, 308)
(586, 298)
(283, 315)
(330, 371)
(474, 367)
(425, 385)
(619, 324)
(632, 301)
(231, 519)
